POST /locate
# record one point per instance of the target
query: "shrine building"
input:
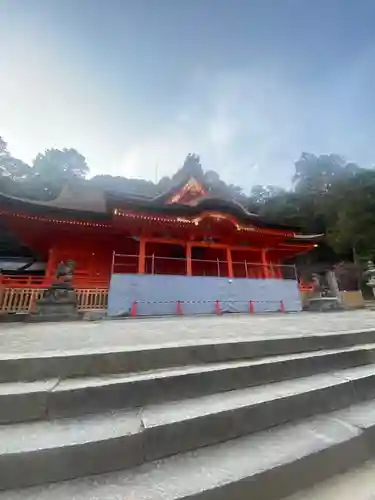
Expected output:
(185, 251)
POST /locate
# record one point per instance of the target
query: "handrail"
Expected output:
(128, 264)
(46, 281)
(221, 261)
(23, 300)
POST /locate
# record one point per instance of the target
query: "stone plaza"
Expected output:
(20, 339)
(266, 407)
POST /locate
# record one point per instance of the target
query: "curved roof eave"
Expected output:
(17, 205)
(70, 200)
(308, 236)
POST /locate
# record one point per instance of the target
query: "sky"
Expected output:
(136, 85)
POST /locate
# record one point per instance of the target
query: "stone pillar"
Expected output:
(333, 285)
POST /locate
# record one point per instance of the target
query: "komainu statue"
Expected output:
(60, 298)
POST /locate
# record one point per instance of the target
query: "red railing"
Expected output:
(13, 281)
(23, 300)
(128, 264)
(23, 281)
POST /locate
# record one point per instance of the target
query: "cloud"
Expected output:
(247, 125)
(49, 99)
(241, 125)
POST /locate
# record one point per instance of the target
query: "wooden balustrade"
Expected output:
(84, 282)
(23, 281)
(19, 300)
(23, 300)
(92, 299)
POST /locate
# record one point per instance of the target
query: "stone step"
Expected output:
(23, 401)
(357, 483)
(268, 465)
(67, 448)
(81, 363)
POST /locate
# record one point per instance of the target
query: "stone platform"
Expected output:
(211, 408)
(19, 339)
(357, 483)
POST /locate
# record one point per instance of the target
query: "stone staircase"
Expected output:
(257, 419)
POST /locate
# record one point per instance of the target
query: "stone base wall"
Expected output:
(305, 296)
(352, 300)
(162, 294)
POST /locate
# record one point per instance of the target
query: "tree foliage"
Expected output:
(317, 174)
(46, 176)
(328, 194)
(333, 197)
(56, 167)
(10, 167)
(65, 165)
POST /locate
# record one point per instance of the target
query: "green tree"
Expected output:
(10, 167)
(3, 147)
(137, 187)
(351, 215)
(63, 165)
(220, 188)
(56, 167)
(316, 174)
(330, 196)
(260, 194)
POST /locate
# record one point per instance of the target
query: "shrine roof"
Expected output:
(81, 200)
(188, 197)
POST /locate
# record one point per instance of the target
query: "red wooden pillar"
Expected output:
(278, 271)
(189, 268)
(92, 265)
(265, 263)
(271, 270)
(230, 263)
(50, 267)
(142, 256)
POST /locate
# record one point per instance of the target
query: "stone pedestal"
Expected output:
(324, 304)
(59, 302)
(325, 298)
